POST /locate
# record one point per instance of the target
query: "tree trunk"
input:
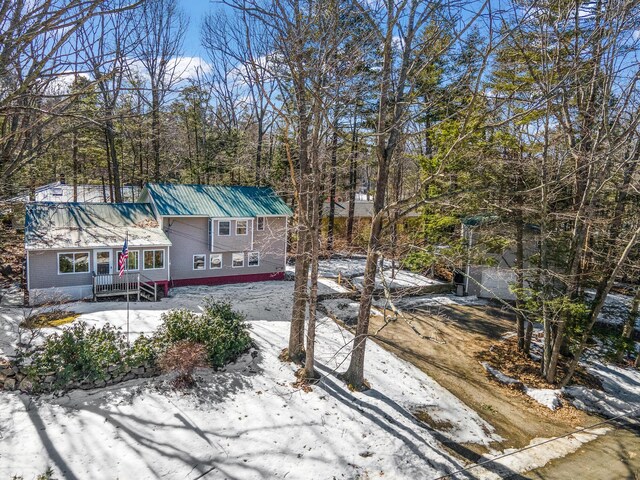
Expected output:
(332, 188)
(115, 166)
(353, 168)
(74, 156)
(259, 149)
(601, 295)
(629, 325)
(155, 133)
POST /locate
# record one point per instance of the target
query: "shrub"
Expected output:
(183, 357)
(144, 351)
(223, 332)
(80, 353)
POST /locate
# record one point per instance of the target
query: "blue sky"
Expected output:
(196, 10)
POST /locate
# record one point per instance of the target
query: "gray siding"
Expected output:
(43, 268)
(43, 271)
(190, 236)
(232, 242)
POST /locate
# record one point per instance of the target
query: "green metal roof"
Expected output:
(480, 219)
(215, 201)
(68, 225)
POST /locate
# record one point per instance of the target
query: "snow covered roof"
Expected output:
(52, 225)
(215, 201)
(361, 209)
(62, 193)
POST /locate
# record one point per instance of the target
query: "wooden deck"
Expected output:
(131, 284)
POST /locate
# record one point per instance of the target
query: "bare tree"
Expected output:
(157, 53)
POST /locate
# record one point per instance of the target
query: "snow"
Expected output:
(548, 397)
(615, 309)
(499, 376)
(249, 421)
(398, 279)
(621, 391)
(423, 301)
(537, 454)
(245, 422)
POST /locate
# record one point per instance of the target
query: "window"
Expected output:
(260, 224)
(73, 262)
(237, 260)
(253, 259)
(241, 227)
(215, 261)
(199, 262)
(132, 261)
(224, 226)
(153, 259)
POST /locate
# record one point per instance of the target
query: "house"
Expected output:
(178, 235)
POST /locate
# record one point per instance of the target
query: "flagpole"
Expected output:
(126, 266)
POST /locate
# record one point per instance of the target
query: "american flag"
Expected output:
(124, 255)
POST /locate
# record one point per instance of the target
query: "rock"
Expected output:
(100, 384)
(113, 368)
(25, 385)
(7, 372)
(10, 384)
(20, 376)
(3, 378)
(138, 371)
(128, 376)
(49, 379)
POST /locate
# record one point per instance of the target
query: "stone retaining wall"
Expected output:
(13, 377)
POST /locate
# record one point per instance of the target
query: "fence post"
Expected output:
(138, 287)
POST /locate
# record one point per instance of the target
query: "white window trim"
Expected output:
(232, 262)
(74, 263)
(246, 230)
(227, 234)
(221, 261)
(130, 252)
(204, 262)
(249, 264)
(258, 229)
(154, 250)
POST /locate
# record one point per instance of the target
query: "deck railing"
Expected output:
(112, 284)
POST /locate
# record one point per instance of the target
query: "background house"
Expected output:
(491, 256)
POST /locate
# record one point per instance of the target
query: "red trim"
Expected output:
(254, 277)
(165, 286)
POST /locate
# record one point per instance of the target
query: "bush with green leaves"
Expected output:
(222, 331)
(79, 354)
(83, 354)
(144, 351)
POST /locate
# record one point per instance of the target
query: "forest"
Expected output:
(526, 111)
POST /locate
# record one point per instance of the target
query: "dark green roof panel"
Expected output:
(216, 201)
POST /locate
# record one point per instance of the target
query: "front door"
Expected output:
(103, 265)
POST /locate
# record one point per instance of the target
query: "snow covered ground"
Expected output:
(245, 422)
(621, 391)
(616, 309)
(425, 301)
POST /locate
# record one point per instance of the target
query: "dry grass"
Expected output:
(54, 318)
(504, 357)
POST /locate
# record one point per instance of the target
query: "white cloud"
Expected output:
(185, 68)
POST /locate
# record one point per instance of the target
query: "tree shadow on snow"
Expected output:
(409, 436)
